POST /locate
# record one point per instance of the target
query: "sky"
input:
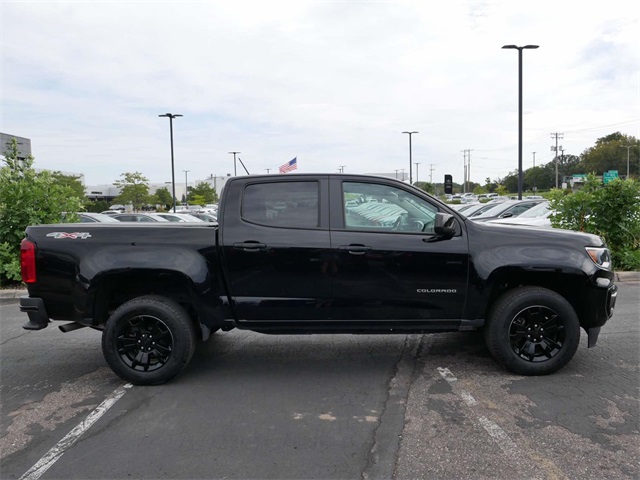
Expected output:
(331, 83)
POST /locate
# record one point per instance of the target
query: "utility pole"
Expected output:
(464, 176)
(341, 169)
(467, 169)
(431, 169)
(267, 169)
(562, 160)
(557, 136)
(235, 172)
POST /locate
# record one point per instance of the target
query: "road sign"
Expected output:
(448, 184)
(609, 176)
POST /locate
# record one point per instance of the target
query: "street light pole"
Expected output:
(410, 159)
(235, 173)
(628, 147)
(534, 172)
(416, 164)
(186, 186)
(520, 111)
(171, 116)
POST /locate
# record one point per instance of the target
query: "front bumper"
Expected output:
(602, 303)
(34, 307)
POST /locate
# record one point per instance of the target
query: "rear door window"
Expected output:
(282, 204)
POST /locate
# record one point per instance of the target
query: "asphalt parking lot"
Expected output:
(323, 406)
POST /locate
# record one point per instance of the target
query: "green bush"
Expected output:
(96, 206)
(627, 260)
(27, 198)
(611, 211)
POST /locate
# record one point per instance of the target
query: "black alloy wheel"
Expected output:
(536, 334)
(532, 330)
(148, 340)
(144, 343)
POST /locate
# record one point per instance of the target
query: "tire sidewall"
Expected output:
(175, 319)
(508, 307)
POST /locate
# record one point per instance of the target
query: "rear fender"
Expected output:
(182, 274)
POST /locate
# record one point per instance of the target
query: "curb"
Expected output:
(628, 276)
(12, 293)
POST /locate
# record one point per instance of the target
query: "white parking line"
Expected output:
(72, 437)
(503, 440)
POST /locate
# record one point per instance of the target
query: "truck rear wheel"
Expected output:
(148, 340)
(532, 331)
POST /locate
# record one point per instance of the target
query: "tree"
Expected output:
(536, 177)
(163, 197)
(501, 190)
(490, 186)
(70, 181)
(27, 198)
(134, 190)
(426, 186)
(510, 182)
(608, 154)
(203, 189)
(96, 206)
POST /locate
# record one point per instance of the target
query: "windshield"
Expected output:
(537, 211)
(479, 209)
(495, 211)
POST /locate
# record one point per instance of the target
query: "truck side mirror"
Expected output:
(445, 225)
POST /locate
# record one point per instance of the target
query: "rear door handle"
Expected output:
(355, 249)
(250, 246)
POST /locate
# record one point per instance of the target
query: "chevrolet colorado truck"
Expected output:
(324, 253)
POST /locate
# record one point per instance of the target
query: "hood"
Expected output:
(534, 234)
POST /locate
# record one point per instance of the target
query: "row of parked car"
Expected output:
(535, 212)
(528, 211)
(111, 216)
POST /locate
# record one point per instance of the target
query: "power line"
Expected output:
(603, 126)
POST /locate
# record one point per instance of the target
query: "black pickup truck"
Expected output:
(318, 254)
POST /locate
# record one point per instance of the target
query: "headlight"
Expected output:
(600, 256)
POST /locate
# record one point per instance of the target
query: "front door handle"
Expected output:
(250, 246)
(355, 249)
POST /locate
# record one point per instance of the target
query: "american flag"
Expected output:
(290, 165)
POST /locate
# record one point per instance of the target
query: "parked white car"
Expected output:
(538, 216)
(178, 217)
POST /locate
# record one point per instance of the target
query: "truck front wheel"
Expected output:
(532, 331)
(148, 340)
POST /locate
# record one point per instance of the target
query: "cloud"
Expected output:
(333, 83)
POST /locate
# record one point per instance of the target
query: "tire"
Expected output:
(532, 331)
(148, 340)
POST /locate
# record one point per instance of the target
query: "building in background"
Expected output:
(24, 145)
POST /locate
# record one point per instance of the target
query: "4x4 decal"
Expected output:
(74, 235)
